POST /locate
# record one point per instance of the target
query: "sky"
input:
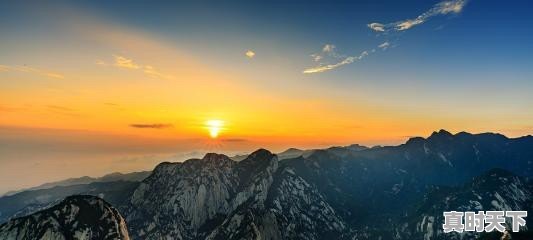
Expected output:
(93, 87)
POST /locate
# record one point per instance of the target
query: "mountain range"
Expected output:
(353, 192)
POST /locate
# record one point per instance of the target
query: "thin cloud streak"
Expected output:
(127, 63)
(345, 61)
(384, 45)
(442, 8)
(153, 126)
(123, 62)
(152, 72)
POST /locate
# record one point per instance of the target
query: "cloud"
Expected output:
(123, 62)
(384, 45)
(153, 125)
(250, 54)
(329, 51)
(60, 108)
(328, 48)
(441, 8)
(316, 57)
(347, 60)
(234, 140)
(152, 72)
(33, 70)
(329, 59)
(378, 27)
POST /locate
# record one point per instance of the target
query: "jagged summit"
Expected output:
(444, 135)
(214, 157)
(291, 150)
(215, 160)
(441, 135)
(415, 140)
(199, 191)
(260, 154)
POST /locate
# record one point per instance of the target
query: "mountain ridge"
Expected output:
(350, 192)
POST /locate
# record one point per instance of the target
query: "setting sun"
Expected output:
(214, 127)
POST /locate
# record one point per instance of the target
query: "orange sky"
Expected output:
(89, 95)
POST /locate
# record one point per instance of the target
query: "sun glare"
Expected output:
(214, 127)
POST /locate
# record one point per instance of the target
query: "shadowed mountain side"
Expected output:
(76, 217)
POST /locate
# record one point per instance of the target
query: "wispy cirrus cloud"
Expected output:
(329, 51)
(130, 64)
(32, 70)
(151, 125)
(123, 62)
(384, 45)
(329, 59)
(152, 72)
(441, 8)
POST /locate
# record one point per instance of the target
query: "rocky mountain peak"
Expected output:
(215, 157)
(441, 134)
(211, 160)
(291, 150)
(199, 191)
(415, 141)
(261, 154)
(76, 217)
(259, 162)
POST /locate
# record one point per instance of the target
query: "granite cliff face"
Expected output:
(218, 198)
(77, 217)
(185, 200)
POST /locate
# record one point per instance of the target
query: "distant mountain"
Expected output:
(76, 217)
(295, 152)
(354, 192)
(116, 176)
(27, 202)
(339, 192)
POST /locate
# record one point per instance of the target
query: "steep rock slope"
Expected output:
(294, 209)
(182, 200)
(76, 217)
(496, 190)
(28, 202)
